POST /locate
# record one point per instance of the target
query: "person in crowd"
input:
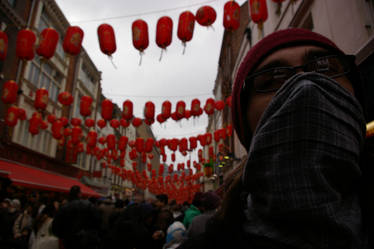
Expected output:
(210, 203)
(131, 229)
(75, 193)
(177, 211)
(78, 225)
(7, 218)
(298, 108)
(175, 235)
(193, 210)
(41, 236)
(23, 226)
(161, 201)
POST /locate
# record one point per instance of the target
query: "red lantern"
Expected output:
(101, 123)
(160, 118)
(21, 114)
(102, 140)
(47, 43)
(65, 98)
(111, 141)
(139, 144)
(127, 110)
(34, 123)
(122, 143)
(76, 122)
(183, 145)
(73, 40)
(193, 143)
(206, 16)
(43, 125)
(57, 129)
(41, 99)
(124, 123)
(140, 35)
(64, 121)
(107, 39)
(107, 109)
(133, 155)
(3, 45)
(149, 145)
(180, 110)
(209, 106)
(173, 144)
(186, 26)
(219, 105)
(136, 122)
(10, 92)
(89, 122)
(51, 118)
(85, 106)
(166, 109)
(76, 134)
(25, 44)
(114, 123)
(149, 110)
(195, 108)
(229, 130)
(67, 132)
(259, 11)
(229, 101)
(231, 15)
(164, 32)
(91, 138)
(11, 117)
(208, 138)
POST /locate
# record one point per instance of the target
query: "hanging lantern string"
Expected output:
(162, 50)
(184, 48)
(111, 60)
(143, 13)
(141, 57)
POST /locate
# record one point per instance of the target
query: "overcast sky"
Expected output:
(175, 77)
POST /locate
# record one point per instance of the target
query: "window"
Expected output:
(87, 79)
(50, 78)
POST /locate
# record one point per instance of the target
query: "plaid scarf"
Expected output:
(303, 173)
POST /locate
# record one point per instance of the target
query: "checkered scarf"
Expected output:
(303, 169)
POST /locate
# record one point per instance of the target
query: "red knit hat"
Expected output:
(269, 44)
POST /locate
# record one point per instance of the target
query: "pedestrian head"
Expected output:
(273, 61)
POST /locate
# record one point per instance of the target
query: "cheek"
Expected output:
(256, 107)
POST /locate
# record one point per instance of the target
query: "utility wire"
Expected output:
(156, 96)
(142, 14)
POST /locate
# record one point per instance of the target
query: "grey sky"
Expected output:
(191, 75)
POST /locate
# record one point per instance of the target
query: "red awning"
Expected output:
(41, 179)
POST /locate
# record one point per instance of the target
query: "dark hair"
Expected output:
(78, 225)
(162, 198)
(128, 230)
(74, 193)
(197, 199)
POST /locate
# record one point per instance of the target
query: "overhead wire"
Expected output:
(143, 13)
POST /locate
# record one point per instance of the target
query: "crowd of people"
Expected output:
(73, 222)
